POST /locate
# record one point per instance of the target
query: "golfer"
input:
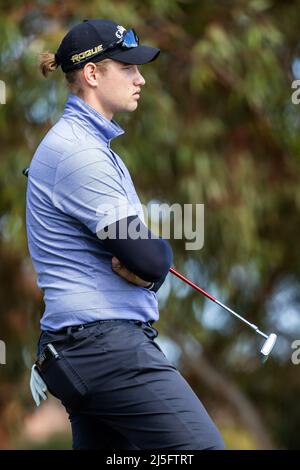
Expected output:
(96, 351)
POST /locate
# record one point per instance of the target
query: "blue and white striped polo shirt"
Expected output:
(77, 185)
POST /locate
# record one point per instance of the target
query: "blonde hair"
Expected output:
(48, 63)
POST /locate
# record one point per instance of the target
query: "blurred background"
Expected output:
(216, 125)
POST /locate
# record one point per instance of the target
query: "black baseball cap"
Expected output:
(95, 40)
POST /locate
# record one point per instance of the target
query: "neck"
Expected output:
(94, 103)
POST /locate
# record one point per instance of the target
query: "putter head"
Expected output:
(267, 347)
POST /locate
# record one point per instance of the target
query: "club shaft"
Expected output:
(254, 327)
(192, 284)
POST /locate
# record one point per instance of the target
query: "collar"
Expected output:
(92, 120)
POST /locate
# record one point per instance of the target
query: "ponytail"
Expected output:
(47, 62)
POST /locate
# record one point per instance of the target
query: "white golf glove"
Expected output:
(37, 386)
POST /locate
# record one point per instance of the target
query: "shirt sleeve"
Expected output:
(88, 187)
(148, 256)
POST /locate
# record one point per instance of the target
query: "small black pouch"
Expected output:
(62, 380)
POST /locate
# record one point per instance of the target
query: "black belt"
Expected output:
(72, 329)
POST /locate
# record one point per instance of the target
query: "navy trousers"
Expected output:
(127, 395)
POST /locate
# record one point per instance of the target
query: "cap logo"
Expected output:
(120, 31)
(83, 55)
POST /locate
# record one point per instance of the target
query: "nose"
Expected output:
(139, 79)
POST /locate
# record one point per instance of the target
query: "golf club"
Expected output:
(270, 339)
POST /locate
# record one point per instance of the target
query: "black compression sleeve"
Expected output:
(142, 252)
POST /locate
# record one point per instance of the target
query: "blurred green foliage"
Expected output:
(215, 125)
(57, 441)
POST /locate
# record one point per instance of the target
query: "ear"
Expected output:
(91, 74)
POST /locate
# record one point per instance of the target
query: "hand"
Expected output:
(37, 386)
(119, 269)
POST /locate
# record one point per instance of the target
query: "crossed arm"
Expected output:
(144, 261)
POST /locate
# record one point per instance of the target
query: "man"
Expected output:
(100, 286)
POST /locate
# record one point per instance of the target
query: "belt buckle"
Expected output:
(73, 329)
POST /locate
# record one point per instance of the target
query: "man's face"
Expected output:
(119, 87)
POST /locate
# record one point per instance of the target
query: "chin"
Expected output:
(129, 108)
(133, 106)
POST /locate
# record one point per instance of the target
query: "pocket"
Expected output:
(64, 382)
(151, 357)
